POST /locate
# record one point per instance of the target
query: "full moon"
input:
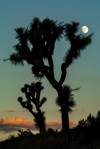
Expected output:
(85, 29)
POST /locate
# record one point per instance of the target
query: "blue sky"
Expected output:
(85, 72)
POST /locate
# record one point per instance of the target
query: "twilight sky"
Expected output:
(84, 73)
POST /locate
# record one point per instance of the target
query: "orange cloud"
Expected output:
(57, 124)
(18, 121)
(13, 124)
(54, 124)
(73, 124)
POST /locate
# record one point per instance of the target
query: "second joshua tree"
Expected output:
(33, 103)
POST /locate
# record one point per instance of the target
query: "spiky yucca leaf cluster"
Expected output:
(67, 98)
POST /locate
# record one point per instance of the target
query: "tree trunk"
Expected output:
(65, 123)
(42, 128)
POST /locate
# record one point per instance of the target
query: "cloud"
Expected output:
(73, 124)
(14, 111)
(14, 124)
(11, 111)
(57, 124)
(54, 124)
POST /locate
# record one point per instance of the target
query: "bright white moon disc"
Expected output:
(85, 29)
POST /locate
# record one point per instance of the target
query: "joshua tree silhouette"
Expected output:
(67, 100)
(37, 43)
(33, 103)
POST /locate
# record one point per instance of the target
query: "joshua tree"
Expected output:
(33, 103)
(67, 100)
(37, 43)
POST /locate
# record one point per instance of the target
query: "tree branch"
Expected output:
(63, 74)
(51, 66)
(52, 80)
